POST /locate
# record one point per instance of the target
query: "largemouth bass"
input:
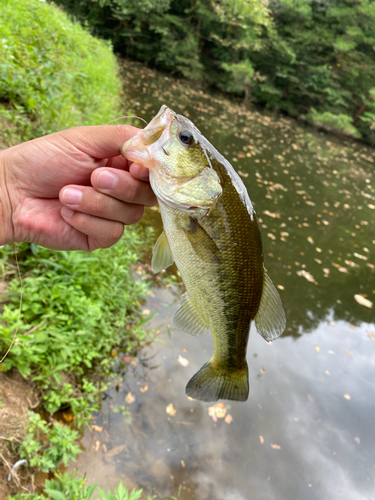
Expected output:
(212, 234)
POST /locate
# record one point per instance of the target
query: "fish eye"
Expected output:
(186, 137)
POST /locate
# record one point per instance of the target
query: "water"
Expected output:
(306, 431)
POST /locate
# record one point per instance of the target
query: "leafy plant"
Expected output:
(53, 74)
(46, 446)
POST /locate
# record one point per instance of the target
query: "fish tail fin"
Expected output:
(211, 384)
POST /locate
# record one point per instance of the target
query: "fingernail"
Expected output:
(66, 212)
(71, 196)
(107, 180)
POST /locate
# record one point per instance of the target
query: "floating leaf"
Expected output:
(307, 276)
(144, 389)
(275, 446)
(130, 398)
(115, 451)
(317, 348)
(228, 419)
(363, 301)
(217, 411)
(170, 410)
(261, 439)
(183, 361)
(346, 396)
(97, 428)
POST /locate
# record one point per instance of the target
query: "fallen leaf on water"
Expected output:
(362, 301)
(317, 348)
(97, 428)
(281, 287)
(310, 240)
(348, 352)
(310, 398)
(371, 336)
(97, 446)
(261, 439)
(275, 446)
(346, 396)
(327, 372)
(182, 463)
(274, 215)
(307, 276)
(243, 174)
(130, 398)
(360, 256)
(115, 451)
(144, 389)
(262, 370)
(217, 411)
(228, 419)
(357, 440)
(272, 236)
(170, 410)
(183, 361)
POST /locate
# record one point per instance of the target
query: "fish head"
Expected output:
(175, 152)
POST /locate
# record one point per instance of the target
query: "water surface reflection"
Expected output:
(305, 432)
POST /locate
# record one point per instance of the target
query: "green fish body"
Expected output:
(212, 234)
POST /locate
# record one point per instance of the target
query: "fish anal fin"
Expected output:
(202, 243)
(270, 319)
(161, 254)
(211, 384)
(186, 318)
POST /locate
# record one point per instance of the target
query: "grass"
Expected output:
(53, 73)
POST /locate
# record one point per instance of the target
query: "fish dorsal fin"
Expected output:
(202, 243)
(186, 318)
(161, 254)
(270, 319)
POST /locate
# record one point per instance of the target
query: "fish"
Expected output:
(212, 234)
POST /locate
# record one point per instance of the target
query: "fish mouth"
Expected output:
(141, 147)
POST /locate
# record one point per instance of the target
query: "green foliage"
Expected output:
(242, 75)
(65, 487)
(340, 122)
(290, 55)
(53, 73)
(46, 446)
(68, 487)
(76, 308)
(121, 493)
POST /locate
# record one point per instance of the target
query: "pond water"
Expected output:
(307, 430)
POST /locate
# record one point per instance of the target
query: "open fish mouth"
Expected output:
(141, 148)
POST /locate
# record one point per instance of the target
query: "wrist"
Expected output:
(6, 226)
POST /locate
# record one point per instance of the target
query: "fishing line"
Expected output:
(15, 244)
(20, 307)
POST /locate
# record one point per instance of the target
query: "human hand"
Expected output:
(72, 190)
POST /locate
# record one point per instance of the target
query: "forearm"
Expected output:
(6, 226)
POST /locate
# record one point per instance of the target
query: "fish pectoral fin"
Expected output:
(202, 243)
(161, 254)
(211, 384)
(270, 319)
(186, 318)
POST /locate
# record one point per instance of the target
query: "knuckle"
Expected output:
(134, 214)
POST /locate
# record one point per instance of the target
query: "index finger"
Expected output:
(100, 141)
